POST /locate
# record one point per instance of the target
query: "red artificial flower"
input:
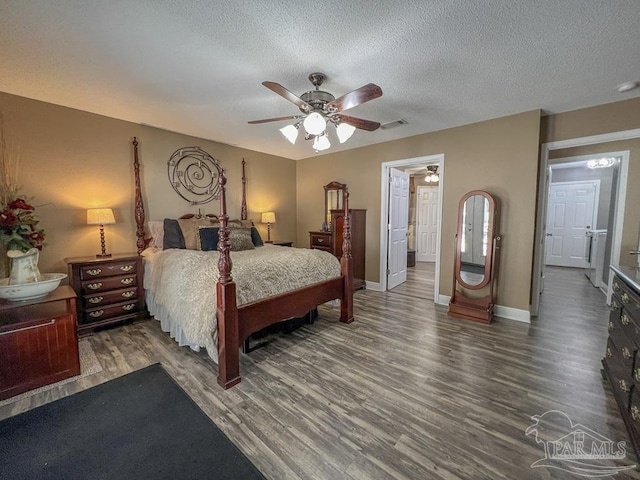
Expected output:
(8, 219)
(20, 203)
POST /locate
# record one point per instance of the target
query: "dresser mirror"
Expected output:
(334, 194)
(475, 260)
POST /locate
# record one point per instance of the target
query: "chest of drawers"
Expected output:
(622, 356)
(109, 289)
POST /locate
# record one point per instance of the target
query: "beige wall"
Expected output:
(72, 160)
(500, 156)
(631, 222)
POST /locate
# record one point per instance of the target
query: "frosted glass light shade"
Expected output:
(290, 132)
(100, 216)
(321, 143)
(268, 217)
(315, 123)
(344, 131)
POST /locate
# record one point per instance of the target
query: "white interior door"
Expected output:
(398, 227)
(428, 205)
(571, 212)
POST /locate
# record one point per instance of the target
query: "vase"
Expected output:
(24, 266)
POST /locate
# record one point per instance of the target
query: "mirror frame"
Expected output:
(327, 211)
(488, 260)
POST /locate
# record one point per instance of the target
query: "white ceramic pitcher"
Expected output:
(24, 266)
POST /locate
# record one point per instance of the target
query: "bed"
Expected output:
(234, 308)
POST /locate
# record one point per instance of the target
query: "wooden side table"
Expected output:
(38, 342)
(109, 289)
(282, 243)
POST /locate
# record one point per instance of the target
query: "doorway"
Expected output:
(537, 281)
(386, 221)
(572, 212)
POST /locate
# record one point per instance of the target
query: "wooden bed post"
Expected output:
(227, 310)
(139, 206)
(243, 211)
(346, 266)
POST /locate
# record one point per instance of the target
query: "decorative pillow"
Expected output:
(240, 239)
(256, 239)
(189, 227)
(207, 238)
(156, 230)
(172, 237)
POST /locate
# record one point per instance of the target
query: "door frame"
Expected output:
(437, 159)
(596, 200)
(417, 212)
(543, 188)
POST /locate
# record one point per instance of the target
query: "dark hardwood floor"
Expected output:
(404, 392)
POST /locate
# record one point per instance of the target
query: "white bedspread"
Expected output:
(180, 285)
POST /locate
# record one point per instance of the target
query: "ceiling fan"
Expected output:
(319, 108)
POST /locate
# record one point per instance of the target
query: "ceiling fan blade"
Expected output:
(360, 123)
(362, 95)
(277, 119)
(283, 92)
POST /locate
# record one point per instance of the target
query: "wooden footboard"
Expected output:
(236, 324)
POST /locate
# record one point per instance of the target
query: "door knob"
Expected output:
(549, 234)
(634, 252)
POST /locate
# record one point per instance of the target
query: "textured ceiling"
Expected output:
(196, 66)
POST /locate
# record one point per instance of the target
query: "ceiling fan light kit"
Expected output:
(319, 108)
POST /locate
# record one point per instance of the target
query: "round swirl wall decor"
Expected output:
(194, 174)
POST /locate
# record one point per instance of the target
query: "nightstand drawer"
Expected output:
(108, 283)
(110, 311)
(107, 270)
(320, 240)
(114, 296)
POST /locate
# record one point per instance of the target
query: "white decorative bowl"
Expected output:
(30, 291)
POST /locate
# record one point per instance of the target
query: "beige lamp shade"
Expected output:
(100, 216)
(268, 217)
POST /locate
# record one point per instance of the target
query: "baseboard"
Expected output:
(375, 286)
(509, 313)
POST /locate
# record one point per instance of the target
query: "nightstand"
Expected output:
(282, 243)
(38, 342)
(109, 289)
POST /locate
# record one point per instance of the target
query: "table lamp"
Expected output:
(102, 217)
(268, 218)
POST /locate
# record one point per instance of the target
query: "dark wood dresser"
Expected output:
(38, 342)
(332, 241)
(109, 289)
(622, 356)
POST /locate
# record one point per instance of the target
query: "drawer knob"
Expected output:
(94, 286)
(623, 385)
(320, 240)
(128, 307)
(635, 413)
(609, 354)
(94, 271)
(126, 281)
(128, 294)
(625, 298)
(96, 314)
(636, 374)
(614, 305)
(624, 319)
(99, 299)
(611, 326)
(626, 353)
(616, 287)
(126, 268)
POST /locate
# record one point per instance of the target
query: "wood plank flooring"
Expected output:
(405, 392)
(420, 281)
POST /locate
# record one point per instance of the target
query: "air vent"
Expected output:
(394, 124)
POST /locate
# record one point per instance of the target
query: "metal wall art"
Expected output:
(193, 174)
